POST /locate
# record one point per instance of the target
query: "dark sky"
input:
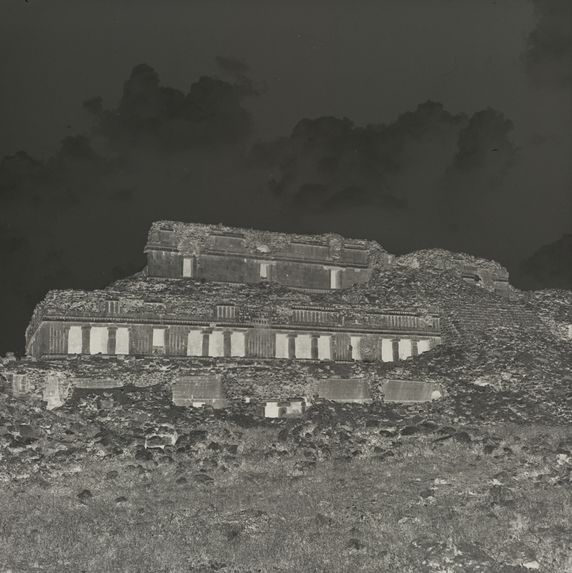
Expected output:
(485, 167)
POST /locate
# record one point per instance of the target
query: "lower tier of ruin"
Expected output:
(215, 382)
(64, 338)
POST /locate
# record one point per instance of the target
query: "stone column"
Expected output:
(111, 339)
(387, 350)
(226, 343)
(85, 337)
(414, 349)
(291, 346)
(206, 337)
(395, 342)
(355, 344)
(314, 347)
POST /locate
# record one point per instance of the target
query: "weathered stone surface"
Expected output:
(198, 391)
(410, 391)
(345, 390)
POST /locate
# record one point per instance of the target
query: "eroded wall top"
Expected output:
(195, 239)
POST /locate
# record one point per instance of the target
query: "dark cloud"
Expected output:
(163, 118)
(413, 163)
(548, 267)
(232, 65)
(548, 57)
(484, 143)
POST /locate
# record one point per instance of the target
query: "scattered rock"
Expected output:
(84, 495)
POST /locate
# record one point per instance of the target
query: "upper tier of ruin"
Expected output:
(318, 262)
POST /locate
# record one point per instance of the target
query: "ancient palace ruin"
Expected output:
(262, 315)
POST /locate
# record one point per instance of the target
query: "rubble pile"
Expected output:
(554, 307)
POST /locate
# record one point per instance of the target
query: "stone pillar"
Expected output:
(395, 342)
(404, 348)
(325, 347)
(74, 340)
(356, 353)
(195, 343)
(226, 343)
(216, 344)
(237, 340)
(122, 341)
(111, 339)
(206, 337)
(281, 345)
(414, 349)
(291, 346)
(314, 347)
(85, 337)
(387, 350)
(422, 346)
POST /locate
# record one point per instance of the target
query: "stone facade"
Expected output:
(220, 253)
(238, 307)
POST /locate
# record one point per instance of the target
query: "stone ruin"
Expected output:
(217, 306)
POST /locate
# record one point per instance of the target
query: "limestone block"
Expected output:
(410, 391)
(325, 347)
(53, 392)
(122, 341)
(387, 350)
(74, 340)
(216, 344)
(98, 340)
(423, 346)
(345, 389)
(188, 390)
(356, 350)
(404, 348)
(195, 344)
(304, 346)
(237, 344)
(281, 345)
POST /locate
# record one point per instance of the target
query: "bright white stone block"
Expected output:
(335, 278)
(187, 267)
(404, 348)
(387, 350)
(216, 344)
(423, 346)
(356, 353)
(98, 340)
(158, 337)
(122, 341)
(325, 347)
(237, 344)
(271, 410)
(281, 345)
(303, 346)
(74, 340)
(195, 343)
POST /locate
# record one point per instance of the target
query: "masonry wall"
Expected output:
(218, 253)
(60, 338)
(239, 269)
(248, 378)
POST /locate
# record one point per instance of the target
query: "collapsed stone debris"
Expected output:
(220, 314)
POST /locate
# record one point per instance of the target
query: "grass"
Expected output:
(417, 511)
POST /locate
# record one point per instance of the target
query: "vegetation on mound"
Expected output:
(434, 505)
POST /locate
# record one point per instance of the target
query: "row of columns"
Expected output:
(113, 340)
(302, 346)
(88, 339)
